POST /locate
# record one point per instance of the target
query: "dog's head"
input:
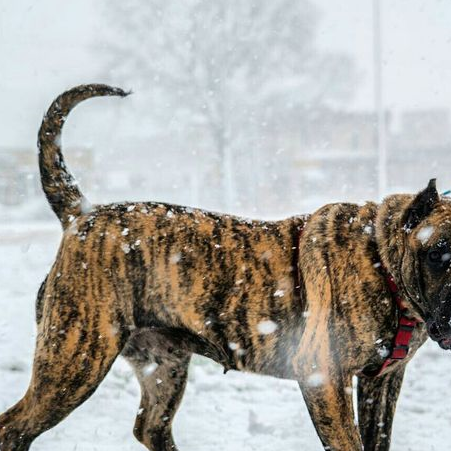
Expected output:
(418, 251)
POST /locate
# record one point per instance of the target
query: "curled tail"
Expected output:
(60, 187)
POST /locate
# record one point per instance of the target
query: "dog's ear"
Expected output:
(421, 206)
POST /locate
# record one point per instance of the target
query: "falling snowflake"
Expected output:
(175, 258)
(316, 379)
(266, 327)
(425, 233)
(150, 369)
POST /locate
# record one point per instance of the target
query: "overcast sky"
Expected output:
(416, 48)
(48, 46)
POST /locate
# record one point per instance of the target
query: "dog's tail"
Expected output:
(60, 187)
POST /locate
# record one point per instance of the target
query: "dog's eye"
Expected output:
(438, 258)
(435, 256)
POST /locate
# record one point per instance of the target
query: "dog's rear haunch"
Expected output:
(304, 298)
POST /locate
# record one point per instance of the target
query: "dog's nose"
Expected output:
(433, 330)
(441, 333)
(439, 330)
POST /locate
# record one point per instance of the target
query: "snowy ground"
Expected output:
(222, 412)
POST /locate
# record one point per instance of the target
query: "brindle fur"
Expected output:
(159, 282)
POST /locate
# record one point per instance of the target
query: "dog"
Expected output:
(317, 299)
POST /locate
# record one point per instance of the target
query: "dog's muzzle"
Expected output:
(440, 332)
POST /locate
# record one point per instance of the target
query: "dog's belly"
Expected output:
(273, 357)
(155, 345)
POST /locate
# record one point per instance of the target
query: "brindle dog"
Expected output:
(159, 282)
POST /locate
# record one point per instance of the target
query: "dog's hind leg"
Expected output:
(77, 342)
(163, 381)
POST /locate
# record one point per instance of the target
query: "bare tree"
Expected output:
(225, 63)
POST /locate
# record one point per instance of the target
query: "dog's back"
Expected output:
(219, 276)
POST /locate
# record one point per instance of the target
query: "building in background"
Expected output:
(303, 160)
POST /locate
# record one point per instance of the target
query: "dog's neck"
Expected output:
(391, 236)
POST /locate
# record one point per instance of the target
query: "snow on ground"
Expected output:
(221, 412)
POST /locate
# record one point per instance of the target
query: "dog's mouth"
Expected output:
(441, 333)
(445, 343)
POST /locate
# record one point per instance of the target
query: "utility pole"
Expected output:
(379, 100)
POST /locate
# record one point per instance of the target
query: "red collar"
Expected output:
(406, 326)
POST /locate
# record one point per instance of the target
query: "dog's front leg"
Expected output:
(377, 403)
(328, 395)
